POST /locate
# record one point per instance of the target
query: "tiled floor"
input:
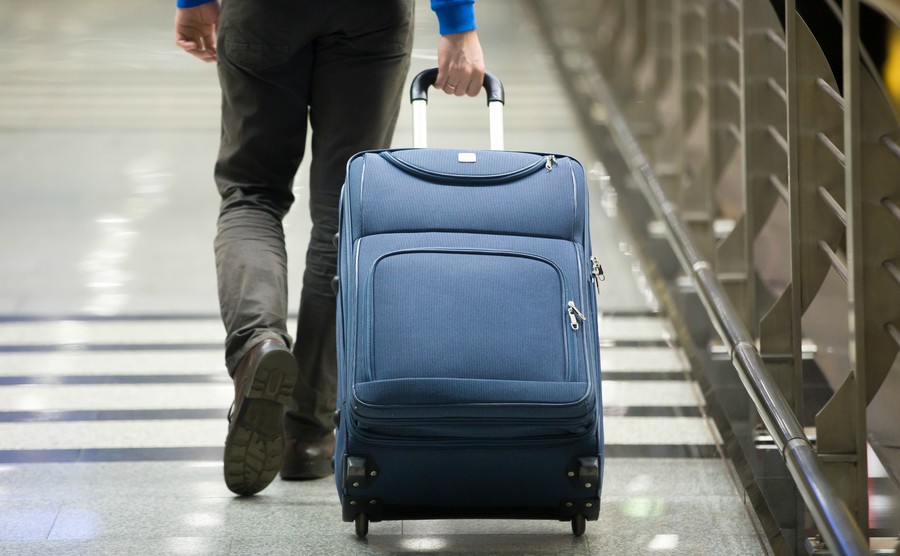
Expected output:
(112, 388)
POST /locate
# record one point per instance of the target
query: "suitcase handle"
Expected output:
(418, 96)
(426, 78)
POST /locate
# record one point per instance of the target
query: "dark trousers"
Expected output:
(339, 65)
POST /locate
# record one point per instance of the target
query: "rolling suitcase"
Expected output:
(468, 351)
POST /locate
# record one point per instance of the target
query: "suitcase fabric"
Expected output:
(468, 352)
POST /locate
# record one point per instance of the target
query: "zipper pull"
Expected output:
(573, 312)
(597, 273)
(551, 160)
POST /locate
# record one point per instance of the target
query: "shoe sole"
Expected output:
(254, 447)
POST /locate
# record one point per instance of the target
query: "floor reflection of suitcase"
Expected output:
(469, 364)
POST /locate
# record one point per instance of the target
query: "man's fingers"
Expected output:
(196, 51)
(187, 44)
(469, 84)
(204, 55)
(209, 43)
(446, 82)
(456, 83)
(475, 87)
(460, 82)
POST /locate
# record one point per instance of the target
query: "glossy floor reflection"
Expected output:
(678, 506)
(113, 392)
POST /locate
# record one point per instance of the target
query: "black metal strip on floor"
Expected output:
(214, 453)
(9, 319)
(55, 348)
(652, 411)
(671, 451)
(222, 377)
(111, 415)
(635, 343)
(60, 380)
(636, 313)
(639, 375)
(111, 454)
(219, 413)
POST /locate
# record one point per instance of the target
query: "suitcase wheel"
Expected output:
(578, 525)
(362, 525)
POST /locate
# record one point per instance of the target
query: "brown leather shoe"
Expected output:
(304, 459)
(263, 383)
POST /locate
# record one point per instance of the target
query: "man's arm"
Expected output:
(195, 27)
(460, 58)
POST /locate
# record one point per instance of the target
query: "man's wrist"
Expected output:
(191, 3)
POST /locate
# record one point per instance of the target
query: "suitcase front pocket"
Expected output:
(458, 314)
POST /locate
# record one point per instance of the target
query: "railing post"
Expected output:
(694, 191)
(727, 134)
(786, 314)
(764, 154)
(856, 491)
(666, 153)
(788, 310)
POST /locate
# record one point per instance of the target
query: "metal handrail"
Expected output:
(830, 514)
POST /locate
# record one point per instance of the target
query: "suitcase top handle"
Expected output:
(418, 96)
(426, 78)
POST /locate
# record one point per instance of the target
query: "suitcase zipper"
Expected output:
(417, 441)
(544, 162)
(597, 273)
(586, 345)
(573, 312)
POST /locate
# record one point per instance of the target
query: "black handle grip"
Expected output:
(425, 79)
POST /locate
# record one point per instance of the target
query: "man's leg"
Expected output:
(265, 87)
(357, 85)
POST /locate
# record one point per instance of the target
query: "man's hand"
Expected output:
(195, 30)
(460, 64)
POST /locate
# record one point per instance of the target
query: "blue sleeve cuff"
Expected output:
(191, 3)
(454, 16)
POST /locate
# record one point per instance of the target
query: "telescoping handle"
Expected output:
(418, 96)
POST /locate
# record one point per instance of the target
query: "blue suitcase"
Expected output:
(468, 351)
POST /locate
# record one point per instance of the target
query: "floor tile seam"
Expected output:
(108, 347)
(50, 374)
(199, 454)
(89, 347)
(215, 443)
(213, 453)
(100, 415)
(217, 413)
(104, 379)
(33, 420)
(618, 348)
(216, 376)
